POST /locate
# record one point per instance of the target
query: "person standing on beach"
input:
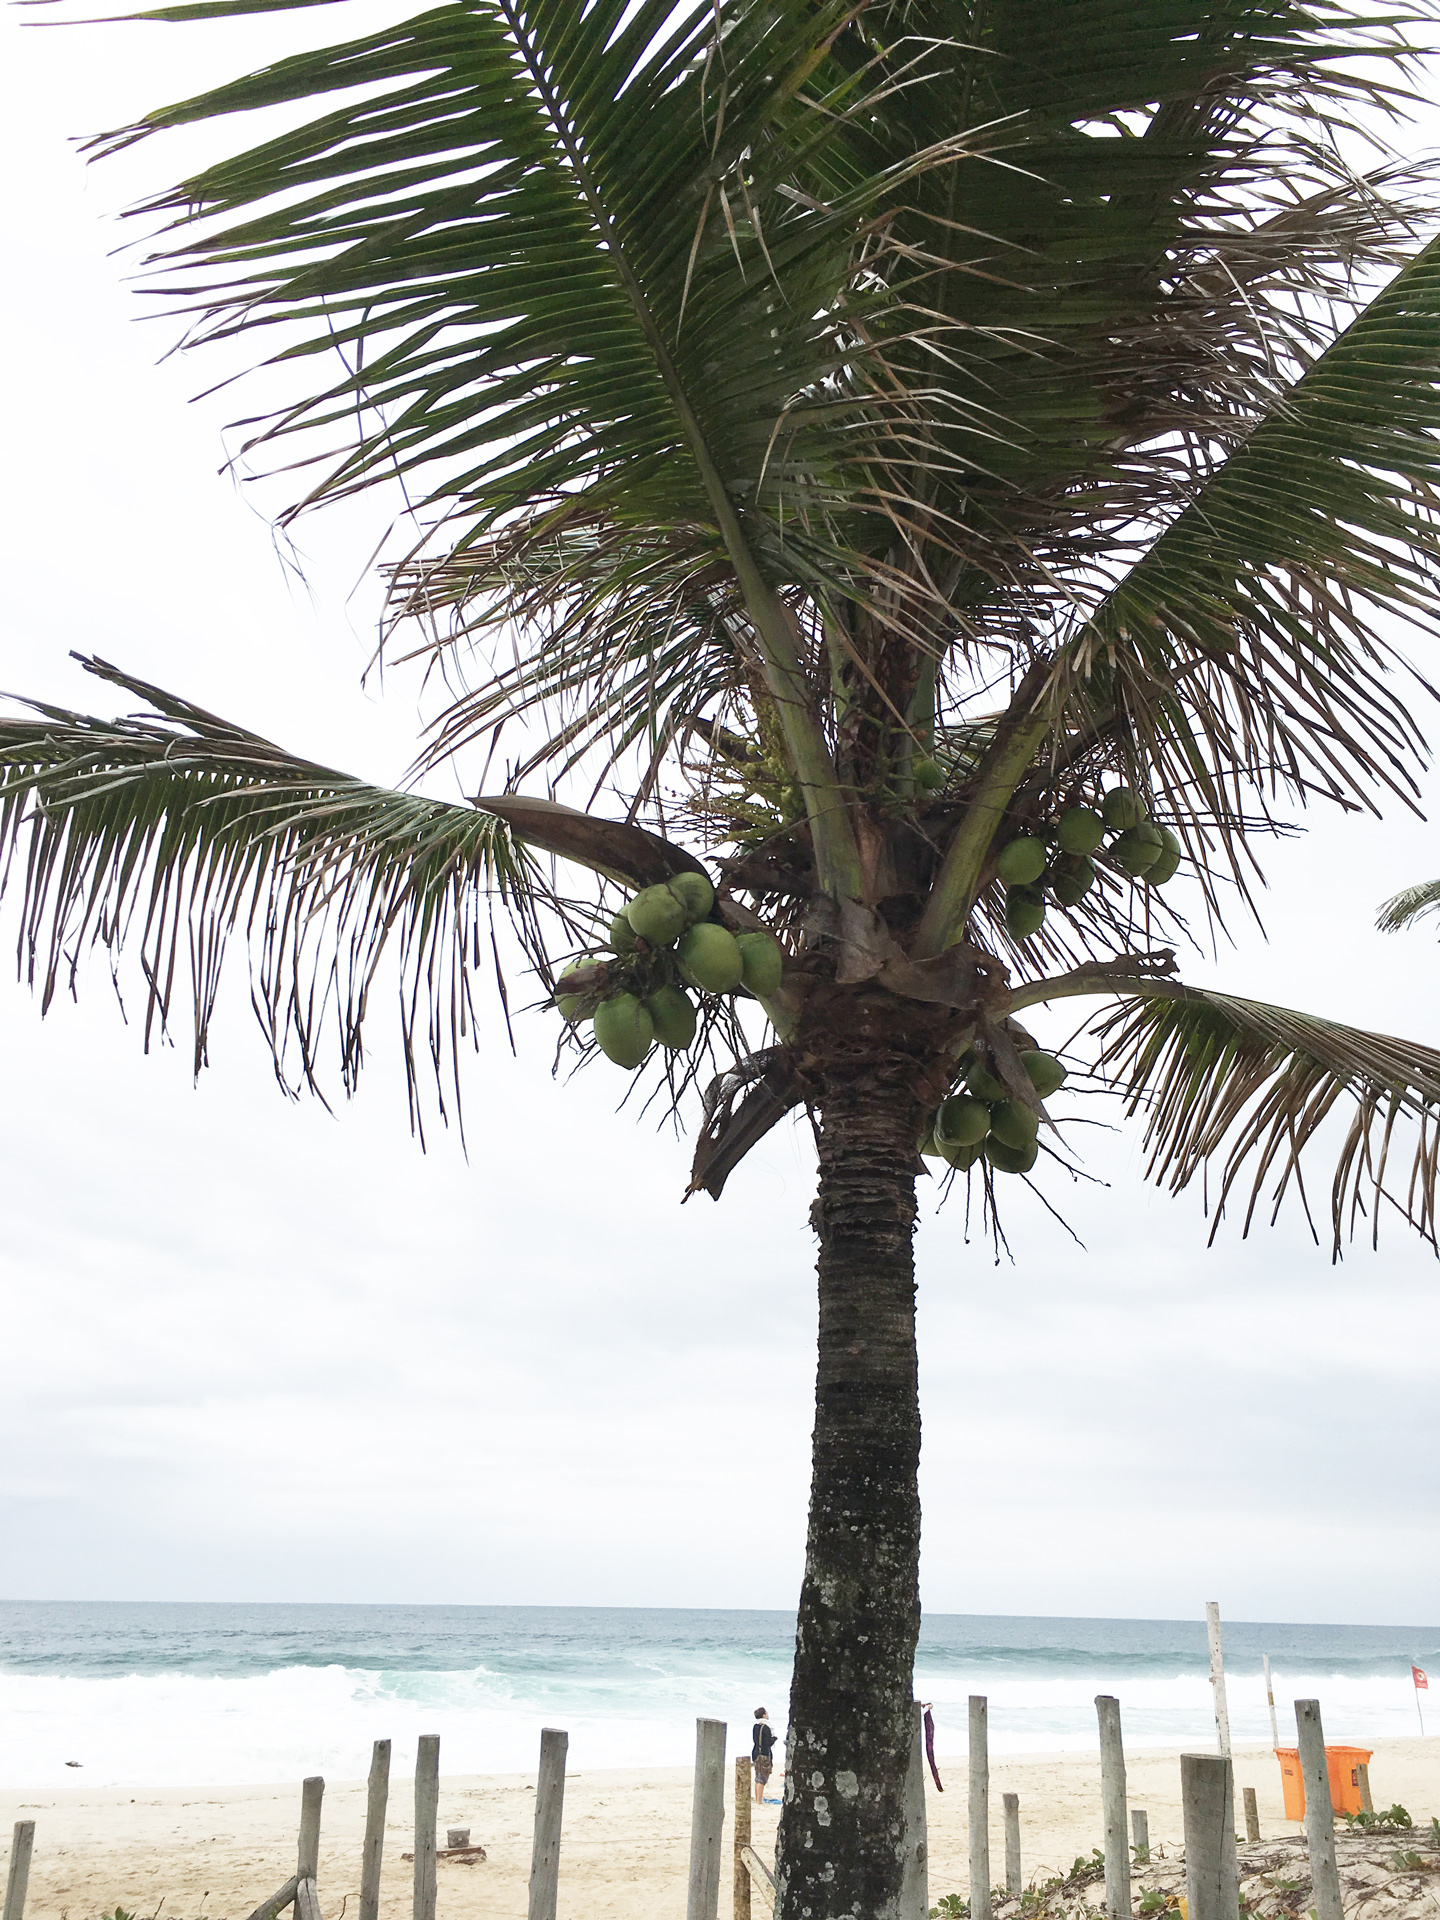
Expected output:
(762, 1747)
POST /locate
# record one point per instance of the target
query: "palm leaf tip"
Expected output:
(1410, 904)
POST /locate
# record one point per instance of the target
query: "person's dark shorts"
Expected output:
(762, 1769)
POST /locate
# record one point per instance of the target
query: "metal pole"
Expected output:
(915, 1870)
(1319, 1814)
(1112, 1800)
(1270, 1701)
(549, 1812)
(1252, 1816)
(1140, 1828)
(1011, 1804)
(744, 1786)
(427, 1814)
(312, 1792)
(375, 1802)
(979, 1808)
(1207, 1794)
(1217, 1675)
(707, 1819)
(22, 1843)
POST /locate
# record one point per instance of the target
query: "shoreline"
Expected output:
(213, 1853)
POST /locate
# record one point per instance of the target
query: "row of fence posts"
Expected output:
(1207, 1794)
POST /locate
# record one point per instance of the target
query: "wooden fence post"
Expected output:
(979, 1808)
(707, 1821)
(1207, 1794)
(22, 1843)
(915, 1867)
(1112, 1802)
(549, 1816)
(1140, 1834)
(1252, 1815)
(1367, 1805)
(375, 1801)
(1319, 1814)
(427, 1818)
(744, 1787)
(1217, 1676)
(1011, 1804)
(312, 1792)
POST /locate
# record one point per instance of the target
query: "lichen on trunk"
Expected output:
(841, 1839)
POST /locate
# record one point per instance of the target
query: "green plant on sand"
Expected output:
(863, 438)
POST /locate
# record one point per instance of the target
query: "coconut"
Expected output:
(672, 1013)
(1045, 1072)
(983, 1084)
(961, 1121)
(763, 959)
(963, 1158)
(658, 915)
(1122, 807)
(1022, 861)
(568, 1003)
(1167, 860)
(1024, 912)
(1079, 830)
(1011, 1159)
(709, 958)
(622, 934)
(928, 774)
(1072, 880)
(1012, 1122)
(927, 1145)
(697, 896)
(1137, 849)
(623, 1030)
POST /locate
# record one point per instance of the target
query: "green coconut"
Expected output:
(1072, 880)
(697, 896)
(928, 1147)
(961, 1122)
(1012, 1122)
(763, 959)
(928, 774)
(1123, 807)
(1024, 912)
(1011, 1159)
(622, 934)
(658, 915)
(1021, 862)
(1044, 1071)
(983, 1084)
(1137, 849)
(623, 1030)
(569, 1003)
(672, 1013)
(710, 958)
(963, 1158)
(1079, 830)
(1166, 861)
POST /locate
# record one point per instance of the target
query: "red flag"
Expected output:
(1417, 1674)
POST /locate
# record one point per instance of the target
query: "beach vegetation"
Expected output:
(935, 485)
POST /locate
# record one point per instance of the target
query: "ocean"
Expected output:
(162, 1695)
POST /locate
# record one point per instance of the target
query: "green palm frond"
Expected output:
(1413, 903)
(179, 833)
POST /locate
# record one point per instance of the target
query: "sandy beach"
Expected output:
(218, 1851)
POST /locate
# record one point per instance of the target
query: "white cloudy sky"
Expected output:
(249, 1349)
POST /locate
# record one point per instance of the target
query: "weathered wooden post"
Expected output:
(1367, 1805)
(1319, 1814)
(707, 1821)
(744, 1787)
(22, 1844)
(1270, 1701)
(427, 1818)
(915, 1868)
(1112, 1803)
(376, 1797)
(1011, 1804)
(1217, 1675)
(1207, 1794)
(549, 1816)
(979, 1807)
(312, 1792)
(1140, 1834)
(1252, 1815)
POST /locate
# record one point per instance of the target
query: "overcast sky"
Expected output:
(254, 1350)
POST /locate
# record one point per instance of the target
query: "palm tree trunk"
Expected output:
(842, 1827)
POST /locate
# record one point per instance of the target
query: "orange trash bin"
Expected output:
(1342, 1765)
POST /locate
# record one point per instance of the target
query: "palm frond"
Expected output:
(1413, 903)
(176, 834)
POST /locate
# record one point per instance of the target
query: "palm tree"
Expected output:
(935, 461)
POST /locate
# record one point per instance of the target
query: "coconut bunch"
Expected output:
(985, 1119)
(1059, 859)
(660, 943)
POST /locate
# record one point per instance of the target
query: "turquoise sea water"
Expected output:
(155, 1694)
